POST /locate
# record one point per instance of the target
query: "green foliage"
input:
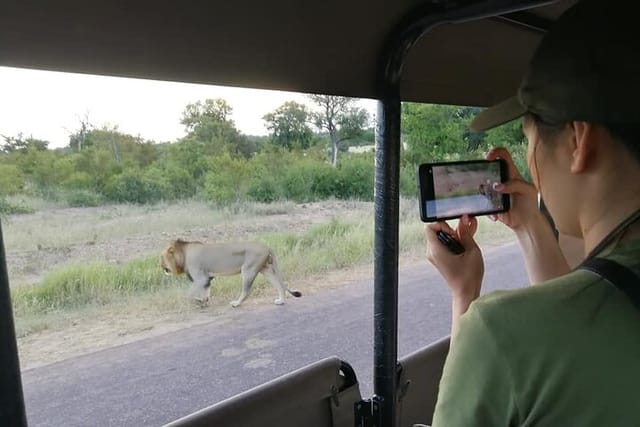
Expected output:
(356, 177)
(265, 189)
(268, 171)
(176, 183)
(408, 181)
(83, 198)
(217, 162)
(308, 180)
(288, 126)
(432, 133)
(228, 179)
(511, 137)
(340, 119)
(209, 123)
(133, 187)
(22, 144)
(78, 181)
(11, 180)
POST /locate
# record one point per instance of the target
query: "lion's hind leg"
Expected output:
(248, 276)
(274, 278)
(272, 273)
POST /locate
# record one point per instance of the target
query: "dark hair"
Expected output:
(546, 125)
(627, 134)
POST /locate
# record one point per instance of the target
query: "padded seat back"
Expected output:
(418, 382)
(322, 394)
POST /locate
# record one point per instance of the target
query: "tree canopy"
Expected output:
(215, 161)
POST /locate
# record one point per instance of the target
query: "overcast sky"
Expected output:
(49, 105)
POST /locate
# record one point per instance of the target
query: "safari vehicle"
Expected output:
(462, 52)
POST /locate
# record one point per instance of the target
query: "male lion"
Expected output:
(203, 261)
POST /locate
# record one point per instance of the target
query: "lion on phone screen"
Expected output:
(202, 262)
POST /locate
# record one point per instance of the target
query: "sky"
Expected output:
(50, 105)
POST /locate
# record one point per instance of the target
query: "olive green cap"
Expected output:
(587, 68)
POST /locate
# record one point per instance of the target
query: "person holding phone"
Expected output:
(567, 351)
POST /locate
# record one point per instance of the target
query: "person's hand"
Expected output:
(524, 195)
(463, 273)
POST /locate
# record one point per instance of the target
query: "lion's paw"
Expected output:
(234, 304)
(200, 302)
(278, 301)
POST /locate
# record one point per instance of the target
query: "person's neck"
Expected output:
(611, 213)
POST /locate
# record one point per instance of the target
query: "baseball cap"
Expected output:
(586, 67)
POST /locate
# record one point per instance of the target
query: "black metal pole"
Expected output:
(12, 411)
(387, 193)
(400, 42)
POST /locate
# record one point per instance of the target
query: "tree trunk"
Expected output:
(334, 149)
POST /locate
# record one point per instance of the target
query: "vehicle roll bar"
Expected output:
(417, 23)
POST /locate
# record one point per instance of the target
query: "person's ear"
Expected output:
(583, 145)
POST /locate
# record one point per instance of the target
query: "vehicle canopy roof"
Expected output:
(332, 47)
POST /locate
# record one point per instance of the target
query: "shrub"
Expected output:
(409, 181)
(79, 180)
(11, 180)
(131, 187)
(265, 189)
(356, 177)
(309, 180)
(227, 180)
(83, 198)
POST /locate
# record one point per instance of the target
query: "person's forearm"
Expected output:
(543, 258)
(459, 305)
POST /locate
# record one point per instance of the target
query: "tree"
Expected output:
(289, 125)
(209, 123)
(340, 118)
(433, 132)
(21, 144)
(78, 139)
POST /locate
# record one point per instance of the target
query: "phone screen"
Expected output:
(452, 189)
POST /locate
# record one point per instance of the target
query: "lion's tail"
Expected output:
(293, 292)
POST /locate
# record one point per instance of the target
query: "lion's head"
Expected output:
(172, 258)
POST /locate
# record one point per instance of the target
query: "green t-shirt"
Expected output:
(561, 353)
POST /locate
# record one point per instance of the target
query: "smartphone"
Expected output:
(451, 189)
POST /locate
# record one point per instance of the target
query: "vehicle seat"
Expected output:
(418, 382)
(322, 394)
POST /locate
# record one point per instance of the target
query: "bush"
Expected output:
(265, 189)
(11, 180)
(356, 177)
(178, 183)
(227, 180)
(79, 181)
(83, 198)
(131, 187)
(309, 180)
(409, 182)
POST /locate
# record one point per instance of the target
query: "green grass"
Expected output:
(95, 284)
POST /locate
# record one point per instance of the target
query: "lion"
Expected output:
(202, 262)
